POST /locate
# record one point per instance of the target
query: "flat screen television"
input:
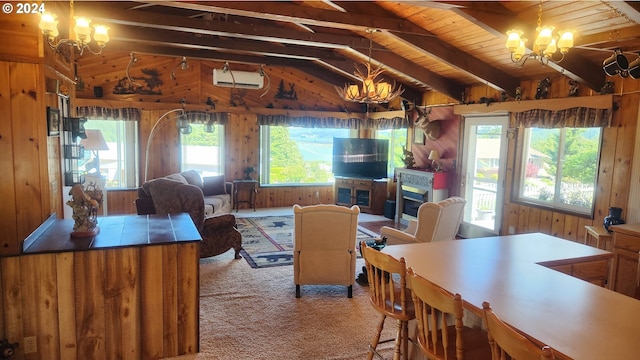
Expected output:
(363, 158)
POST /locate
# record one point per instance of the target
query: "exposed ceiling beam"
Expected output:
(496, 21)
(165, 21)
(452, 56)
(294, 13)
(185, 40)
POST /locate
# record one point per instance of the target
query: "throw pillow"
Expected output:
(213, 185)
(192, 177)
(176, 177)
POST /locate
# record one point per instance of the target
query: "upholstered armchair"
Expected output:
(218, 232)
(324, 251)
(435, 222)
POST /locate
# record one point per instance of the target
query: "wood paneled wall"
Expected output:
(131, 303)
(615, 164)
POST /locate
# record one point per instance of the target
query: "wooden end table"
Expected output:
(249, 189)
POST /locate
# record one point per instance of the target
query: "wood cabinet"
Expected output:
(130, 292)
(594, 271)
(368, 194)
(626, 251)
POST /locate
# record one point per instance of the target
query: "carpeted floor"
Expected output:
(268, 241)
(248, 314)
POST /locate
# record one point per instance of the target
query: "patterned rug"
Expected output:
(268, 241)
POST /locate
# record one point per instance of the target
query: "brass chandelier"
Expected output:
(546, 44)
(369, 90)
(49, 27)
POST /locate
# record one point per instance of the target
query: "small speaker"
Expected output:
(97, 91)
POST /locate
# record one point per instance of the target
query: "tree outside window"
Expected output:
(560, 167)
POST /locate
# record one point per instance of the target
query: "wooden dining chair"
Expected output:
(505, 341)
(390, 296)
(441, 332)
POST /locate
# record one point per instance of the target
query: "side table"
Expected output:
(249, 189)
(603, 238)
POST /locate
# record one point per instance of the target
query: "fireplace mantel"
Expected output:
(415, 187)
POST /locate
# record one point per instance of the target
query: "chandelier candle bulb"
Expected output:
(82, 29)
(101, 34)
(544, 36)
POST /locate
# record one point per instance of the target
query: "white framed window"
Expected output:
(297, 155)
(397, 139)
(120, 163)
(558, 168)
(203, 151)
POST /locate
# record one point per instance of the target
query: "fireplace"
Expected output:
(413, 197)
(415, 187)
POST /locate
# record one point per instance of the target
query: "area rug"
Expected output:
(268, 241)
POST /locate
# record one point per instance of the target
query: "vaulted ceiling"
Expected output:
(442, 46)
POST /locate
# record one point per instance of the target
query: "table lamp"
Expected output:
(434, 156)
(94, 142)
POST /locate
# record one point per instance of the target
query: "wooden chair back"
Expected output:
(506, 343)
(441, 332)
(387, 283)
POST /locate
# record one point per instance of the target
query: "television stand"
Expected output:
(368, 194)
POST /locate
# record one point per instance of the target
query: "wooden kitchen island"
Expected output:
(129, 292)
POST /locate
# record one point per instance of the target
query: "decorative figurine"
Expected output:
(543, 88)
(85, 206)
(407, 158)
(247, 172)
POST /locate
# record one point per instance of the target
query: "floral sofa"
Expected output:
(211, 214)
(218, 193)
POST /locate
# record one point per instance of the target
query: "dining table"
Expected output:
(553, 291)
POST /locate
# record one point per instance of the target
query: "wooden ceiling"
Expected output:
(442, 46)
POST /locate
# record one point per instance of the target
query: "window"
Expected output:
(120, 163)
(297, 155)
(203, 151)
(397, 139)
(559, 168)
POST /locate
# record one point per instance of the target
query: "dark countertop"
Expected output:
(115, 232)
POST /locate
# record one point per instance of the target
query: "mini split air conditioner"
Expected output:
(238, 79)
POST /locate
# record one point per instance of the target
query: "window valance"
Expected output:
(387, 120)
(202, 117)
(381, 120)
(104, 113)
(309, 121)
(575, 117)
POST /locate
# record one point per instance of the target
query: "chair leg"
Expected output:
(376, 339)
(350, 291)
(297, 291)
(405, 339)
(398, 342)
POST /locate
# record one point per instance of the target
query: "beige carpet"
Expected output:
(253, 314)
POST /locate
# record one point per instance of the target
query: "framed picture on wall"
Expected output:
(53, 121)
(418, 135)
